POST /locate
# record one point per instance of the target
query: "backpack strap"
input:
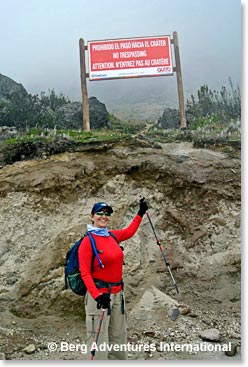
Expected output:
(95, 252)
(121, 247)
(114, 236)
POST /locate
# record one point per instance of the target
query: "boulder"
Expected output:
(153, 299)
(210, 335)
(99, 116)
(170, 119)
(70, 116)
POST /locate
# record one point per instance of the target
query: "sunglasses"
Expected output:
(103, 213)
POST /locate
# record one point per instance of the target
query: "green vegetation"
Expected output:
(124, 127)
(26, 110)
(38, 144)
(33, 135)
(213, 120)
(87, 136)
(213, 107)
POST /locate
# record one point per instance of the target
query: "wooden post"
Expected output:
(179, 82)
(85, 102)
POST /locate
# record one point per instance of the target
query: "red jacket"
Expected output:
(111, 256)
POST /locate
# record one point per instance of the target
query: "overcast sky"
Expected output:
(39, 41)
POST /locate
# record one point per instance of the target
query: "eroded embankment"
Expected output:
(194, 202)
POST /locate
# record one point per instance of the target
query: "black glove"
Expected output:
(103, 301)
(143, 207)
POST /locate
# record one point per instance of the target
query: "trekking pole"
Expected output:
(93, 351)
(161, 249)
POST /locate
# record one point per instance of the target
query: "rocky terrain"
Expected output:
(9, 86)
(23, 110)
(195, 205)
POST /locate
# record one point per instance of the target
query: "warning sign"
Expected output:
(130, 58)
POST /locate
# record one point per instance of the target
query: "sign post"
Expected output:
(86, 115)
(179, 82)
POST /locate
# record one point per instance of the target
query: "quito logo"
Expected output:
(164, 69)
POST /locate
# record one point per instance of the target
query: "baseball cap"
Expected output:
(99, 206)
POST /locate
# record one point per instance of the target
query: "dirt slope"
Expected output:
(194, 202)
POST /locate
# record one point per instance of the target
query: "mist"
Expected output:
(40, 45)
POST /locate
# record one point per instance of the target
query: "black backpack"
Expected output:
(71, 270)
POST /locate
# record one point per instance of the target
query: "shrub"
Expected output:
(213, 107)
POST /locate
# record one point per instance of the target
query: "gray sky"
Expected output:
(39, 42)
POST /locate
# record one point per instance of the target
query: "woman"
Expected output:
(104, 284)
